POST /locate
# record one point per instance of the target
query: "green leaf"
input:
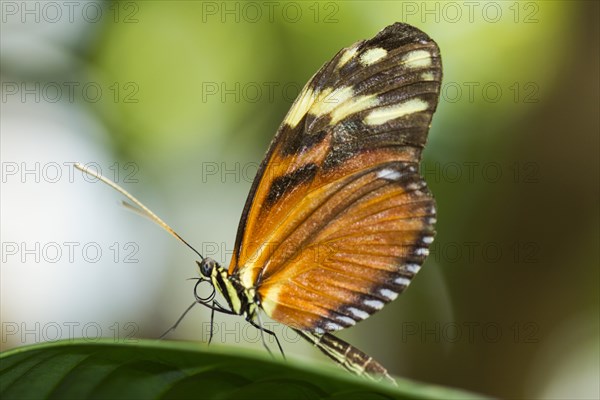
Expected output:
(178, 370)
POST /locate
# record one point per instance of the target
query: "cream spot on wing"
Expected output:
(417, 59)
(376, 304)
(347, 56)
(402, 281)
(300, 107)
(346, 320)
(371, 56)
(415, 185)
(353, 106)
(329, 99)
(422, 251)
(388, 294)
(427, 76)
(385, 114)
(341, 103)
(360, 314)
(389, 174)
(414, 268)
(331, 326)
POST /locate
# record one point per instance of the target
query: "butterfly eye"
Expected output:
(206, 266)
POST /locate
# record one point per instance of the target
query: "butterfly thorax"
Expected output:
(241, 300)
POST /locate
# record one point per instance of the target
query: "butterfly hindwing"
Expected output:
(359, 249)
(341, 178)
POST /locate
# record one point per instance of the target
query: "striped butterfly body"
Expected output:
(338, 220)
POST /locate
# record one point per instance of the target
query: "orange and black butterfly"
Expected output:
(338, 220)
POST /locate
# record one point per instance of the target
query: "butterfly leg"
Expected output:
(172, 328)
(212, 324)
(262, 329)
(216, 306)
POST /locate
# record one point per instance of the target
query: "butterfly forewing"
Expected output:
(338, 219)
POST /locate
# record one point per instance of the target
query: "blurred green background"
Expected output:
(177, 101)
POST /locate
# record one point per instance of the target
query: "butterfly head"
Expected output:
(207, 266)
(218, 277)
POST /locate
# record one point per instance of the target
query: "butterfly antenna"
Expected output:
(141, 209)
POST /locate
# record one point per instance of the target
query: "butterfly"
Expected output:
(338, 220)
